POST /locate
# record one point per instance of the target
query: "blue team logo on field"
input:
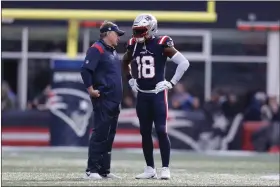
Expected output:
(71, 106)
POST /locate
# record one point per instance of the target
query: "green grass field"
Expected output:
(58, 167)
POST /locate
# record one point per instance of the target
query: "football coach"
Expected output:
(101, 74)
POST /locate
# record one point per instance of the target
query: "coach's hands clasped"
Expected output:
(163, 85)
(93, 93)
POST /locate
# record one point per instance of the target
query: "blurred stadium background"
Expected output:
(227, 104)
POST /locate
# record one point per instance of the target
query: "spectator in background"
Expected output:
(256, 110)
(275, 125)
(196, 104)
(267, 138)
(230, 106)
(128, 102)
(271, 110)
(8, 98)
(39, 102)
(182, 100)
(214, 103)
(213, 106)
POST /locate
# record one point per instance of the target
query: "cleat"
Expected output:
(165, 173)
(149, 173)
(110, 176)
(92, 176)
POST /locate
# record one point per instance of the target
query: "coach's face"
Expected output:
(114, 38)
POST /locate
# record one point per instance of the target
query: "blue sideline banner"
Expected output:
(187, 130)
(69, 105)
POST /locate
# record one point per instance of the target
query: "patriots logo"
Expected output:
(73, 107)
(184, 130)
(140, 18)
(176, 120)
(148, 18)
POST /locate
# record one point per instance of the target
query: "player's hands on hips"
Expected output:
(133, 84)
(163, 85)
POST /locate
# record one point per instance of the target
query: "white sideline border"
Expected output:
(273, 177)
(129, 150)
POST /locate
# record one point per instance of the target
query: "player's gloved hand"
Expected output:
(133, 84)
(163, 85)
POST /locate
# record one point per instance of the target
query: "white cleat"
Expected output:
(92, 176)
(111, 176)
(165, 173)
(149, 173)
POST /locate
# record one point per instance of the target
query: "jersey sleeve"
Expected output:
(166, 41)
(130, 44)
(93, 57)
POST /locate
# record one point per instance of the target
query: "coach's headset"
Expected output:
(115, 28)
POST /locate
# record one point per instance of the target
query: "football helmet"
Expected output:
(144, 26)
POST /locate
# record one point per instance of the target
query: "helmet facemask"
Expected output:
(140, 33)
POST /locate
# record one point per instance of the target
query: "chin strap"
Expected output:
(134, 48)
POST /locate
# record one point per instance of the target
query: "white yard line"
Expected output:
(275, 177)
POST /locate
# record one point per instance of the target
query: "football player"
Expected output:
(150, 53)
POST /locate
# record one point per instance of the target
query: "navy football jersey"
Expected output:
(149, 60)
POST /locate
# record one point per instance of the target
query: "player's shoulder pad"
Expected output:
(98, 46)
(165, 41)
(131, 42)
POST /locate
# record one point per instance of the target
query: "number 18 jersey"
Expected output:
(149, 60)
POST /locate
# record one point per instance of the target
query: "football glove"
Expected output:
(163, 85)
(133, 84)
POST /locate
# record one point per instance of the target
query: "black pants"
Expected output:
(106, 115)
(153, 108)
